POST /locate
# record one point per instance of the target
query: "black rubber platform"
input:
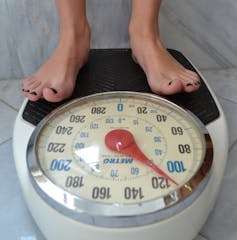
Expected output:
(114, 70)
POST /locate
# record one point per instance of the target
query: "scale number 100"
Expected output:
(176, 166)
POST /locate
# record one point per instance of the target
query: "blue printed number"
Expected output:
(134, 170)
(176, 166)
(158, 152)
(120, 107)
(80, 145)
(60, 165)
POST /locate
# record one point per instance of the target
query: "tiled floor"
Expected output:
(15, 220)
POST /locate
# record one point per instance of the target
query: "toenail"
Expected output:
(54, 90)
(33, 93)
(189, 84)
(25, 90)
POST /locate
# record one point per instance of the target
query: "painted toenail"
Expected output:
(54, 90)
(25, 90)
(189, 84)
(33, 93)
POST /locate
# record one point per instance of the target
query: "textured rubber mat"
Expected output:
(114, 70)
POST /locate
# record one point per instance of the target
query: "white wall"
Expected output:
(203, 30)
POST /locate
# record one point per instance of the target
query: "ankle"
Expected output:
(143, 31)
(74, 34)
(74, 46)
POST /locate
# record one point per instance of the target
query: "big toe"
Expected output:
(168, 88)
(54, 95)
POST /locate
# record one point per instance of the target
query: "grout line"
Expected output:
(232, 145)
(6, 141)
(10, 106)
(226, 99)
(203, 44)
(217, 69)
(11, 78)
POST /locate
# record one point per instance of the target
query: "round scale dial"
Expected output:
(111, 157)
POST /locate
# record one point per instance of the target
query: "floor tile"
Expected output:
(222, 224)
(223, 82)
(230, 110)
(7, 120)
(15, 220)
(10, 92)
(8, 178)
(224, 85)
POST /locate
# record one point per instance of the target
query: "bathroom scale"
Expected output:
(117, 161)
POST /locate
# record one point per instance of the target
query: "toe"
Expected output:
(54, 95)
(28, 82)
(35, 93)
(33, 96)
(193, 76)
(169, 87)
(191, 82)
(35, 85)
(31, 88)
(191, 86)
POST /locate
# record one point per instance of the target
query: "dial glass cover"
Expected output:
(119, 153)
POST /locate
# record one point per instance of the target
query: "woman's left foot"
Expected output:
(165, 75)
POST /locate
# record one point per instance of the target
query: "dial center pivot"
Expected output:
(122, 141)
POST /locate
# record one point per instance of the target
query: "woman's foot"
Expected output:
(164, 74)
(55, 79)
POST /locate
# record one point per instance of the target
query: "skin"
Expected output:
(55, 79)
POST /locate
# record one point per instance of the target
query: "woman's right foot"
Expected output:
(55, 80)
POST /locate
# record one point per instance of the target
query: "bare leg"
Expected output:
(165, 75)
(55, 79)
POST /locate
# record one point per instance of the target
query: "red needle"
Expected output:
(122, 141)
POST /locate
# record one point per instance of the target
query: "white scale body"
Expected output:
(184, 225)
